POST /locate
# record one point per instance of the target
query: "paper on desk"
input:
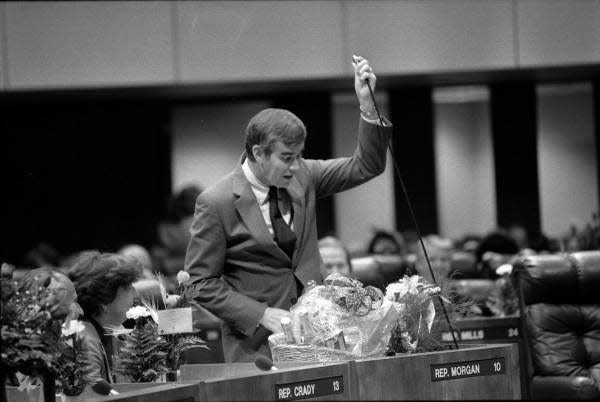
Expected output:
(175, 321)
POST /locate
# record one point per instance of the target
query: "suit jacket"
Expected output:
(236, 264)
(97, 363)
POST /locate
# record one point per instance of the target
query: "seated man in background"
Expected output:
(440, 251)
(334, 257)
(105, 292)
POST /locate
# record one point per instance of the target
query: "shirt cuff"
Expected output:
(386, 122)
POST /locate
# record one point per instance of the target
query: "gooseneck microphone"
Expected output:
(410, 209)
(102, 387)
(264, 363)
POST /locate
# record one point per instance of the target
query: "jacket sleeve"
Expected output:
(335, 175)
(205, 261)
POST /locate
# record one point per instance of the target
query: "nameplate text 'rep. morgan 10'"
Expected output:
(309, 389)
(474, 368)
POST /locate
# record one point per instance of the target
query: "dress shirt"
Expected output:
(261, 192)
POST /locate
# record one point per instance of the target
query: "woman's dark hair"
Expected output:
(383, 235)
(497, 242)
(98, 277)
(182, 204)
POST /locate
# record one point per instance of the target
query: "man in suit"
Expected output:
(253, 240)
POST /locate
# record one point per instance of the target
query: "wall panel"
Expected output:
(371, 205)
(73, 44)
(567, 157)
(235, 40)
(554, 32)
(423, 36)
(464, 167)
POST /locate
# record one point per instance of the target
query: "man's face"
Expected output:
(278, 168)
(334, 261)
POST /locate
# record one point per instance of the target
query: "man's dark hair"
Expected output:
(98, 277)
(272, 125)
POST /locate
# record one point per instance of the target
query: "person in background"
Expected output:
(439, 251)
(143, 256)
(334, 257)
(104, 287)
(496, 248)
(386, 243)
(174, 234)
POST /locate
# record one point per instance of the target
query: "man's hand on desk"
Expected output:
(271, 319)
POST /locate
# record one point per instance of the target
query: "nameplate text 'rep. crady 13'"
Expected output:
(474, 368)
(309, 389)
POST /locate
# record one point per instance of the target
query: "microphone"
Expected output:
(102, 387)
(264, 363)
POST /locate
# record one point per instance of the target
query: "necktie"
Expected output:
(284, 236)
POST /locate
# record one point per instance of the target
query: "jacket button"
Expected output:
(293, 300)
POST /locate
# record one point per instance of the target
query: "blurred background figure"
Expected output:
(104, 285)
(495, 249)
(64, 300)
(386, 243)
(174, 234)
(440, 251)
(519, 234)
(143, 256)
(334, 257)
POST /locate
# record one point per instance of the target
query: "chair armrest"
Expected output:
(564, 387)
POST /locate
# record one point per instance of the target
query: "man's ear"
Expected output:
(257, 152)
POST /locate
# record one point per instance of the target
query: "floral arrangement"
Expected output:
(35, 344)
(413, 297)
(147, 354)
(72, 374)
(142, 354)
(339, 320)
(503, 300)
(30, 335)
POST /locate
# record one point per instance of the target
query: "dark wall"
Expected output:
(514, 135)
(411, 110)
(84, 174)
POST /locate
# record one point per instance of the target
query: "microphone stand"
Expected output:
(412, 214)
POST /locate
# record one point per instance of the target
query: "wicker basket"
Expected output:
(285, 352)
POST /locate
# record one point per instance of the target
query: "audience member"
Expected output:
(143, 256)
(174, 234)
(385, 243)
(64, 298)
(495, 249)
(334, 257)
(439, 251)
(104, 286)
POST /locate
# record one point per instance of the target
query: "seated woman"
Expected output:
(105, 292)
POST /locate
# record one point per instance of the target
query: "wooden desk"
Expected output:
(484, 372)
(491, 330)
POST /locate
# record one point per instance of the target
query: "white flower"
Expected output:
(72, 327)
(396, 290)
(504, 269)
(137, 312)
(183, 277)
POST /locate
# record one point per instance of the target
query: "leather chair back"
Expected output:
(560, 309)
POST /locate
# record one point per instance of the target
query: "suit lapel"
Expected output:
(249, 211)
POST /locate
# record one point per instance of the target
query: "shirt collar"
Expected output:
(259, 189)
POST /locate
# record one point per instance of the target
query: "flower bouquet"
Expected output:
(152, 349)
(35, 346)
(413, 297)
(339, 320)
(72, 374)
(142, 355)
